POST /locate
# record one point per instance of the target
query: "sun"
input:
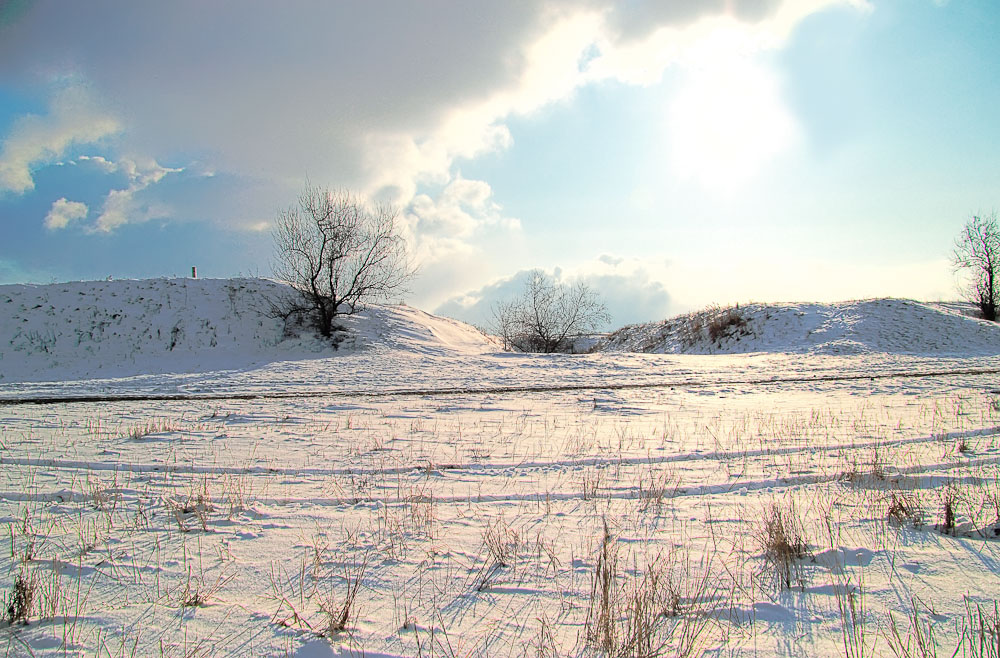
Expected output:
(728, 119)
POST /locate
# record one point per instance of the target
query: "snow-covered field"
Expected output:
(208, 487)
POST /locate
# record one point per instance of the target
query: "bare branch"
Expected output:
(339, 255)
(548, 316)
(977, 251)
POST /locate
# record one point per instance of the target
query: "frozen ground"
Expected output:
(484, 503)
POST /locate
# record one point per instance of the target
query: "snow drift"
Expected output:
(897, 326)
(113, 329)
(88, 329)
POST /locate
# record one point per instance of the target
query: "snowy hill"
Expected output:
(895, 326)
(112, 329)
(88, 329)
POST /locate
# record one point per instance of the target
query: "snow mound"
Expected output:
(896, 326)
(105, 329)
(412, 330)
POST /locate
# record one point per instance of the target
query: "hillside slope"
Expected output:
(88, 329)
(895, 326)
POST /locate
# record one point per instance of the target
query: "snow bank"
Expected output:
(104, 329)
(114, 329)
(896, 326)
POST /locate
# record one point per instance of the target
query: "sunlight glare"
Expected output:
(728, 120)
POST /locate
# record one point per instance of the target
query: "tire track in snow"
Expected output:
(629, 493)
(476, 467)
(494, 390)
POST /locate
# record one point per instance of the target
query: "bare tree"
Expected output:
(977, 249)
(548, 316)
(338, 255)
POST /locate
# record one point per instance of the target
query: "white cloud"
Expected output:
(100, 162)
(632, 291)
(440, 228)
(120, 206)
(63, 212)
(729, 121)
(34, 141)
(385, 98)
(376, 98)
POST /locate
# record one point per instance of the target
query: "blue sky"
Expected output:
(672, 155)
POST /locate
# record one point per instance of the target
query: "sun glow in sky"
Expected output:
(728, 119)
(672, 155)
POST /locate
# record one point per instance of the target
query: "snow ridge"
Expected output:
(114, 329)
(897, 326)
(123, 328)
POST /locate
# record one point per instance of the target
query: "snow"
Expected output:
(214, 490)
(895, 326)
(85, 330)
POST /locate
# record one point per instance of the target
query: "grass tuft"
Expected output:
(782, 539)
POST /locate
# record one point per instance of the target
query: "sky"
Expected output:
(670, 155)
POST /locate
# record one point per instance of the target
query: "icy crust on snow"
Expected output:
(114, 329)
(893, 326)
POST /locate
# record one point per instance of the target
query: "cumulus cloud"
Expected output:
(385, 98)
(34, 140)
(366, 95)
(121, 207)
(631, 290)
(476, 306)
(98, 161)
(441, 228)
(63, 212)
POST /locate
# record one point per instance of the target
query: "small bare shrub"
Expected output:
(501, 544)
(641, 616)
(725, 323)
(949, 504)
(292, 594)
(654, 490)
(904, 509)
(545, 643)
(592, 481)
(423, 514)
(20, 602)
(549, 315)
(867, 473)
(782, 539)
(338, 611)
(604, 597)
(141, 430)
(197, 590)
(713, 324)
(197, 506)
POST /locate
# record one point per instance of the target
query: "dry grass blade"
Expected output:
(501, 544)
(782, 540)
(980, 631)
(642, 616)
(851, 605)
(340, 610)
(919, 641)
